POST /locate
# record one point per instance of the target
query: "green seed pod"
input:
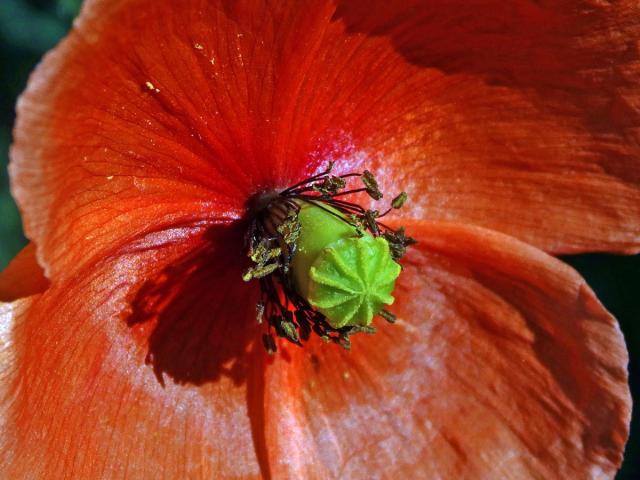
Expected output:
(346, 276)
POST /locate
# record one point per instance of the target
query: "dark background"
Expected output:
(28, 28)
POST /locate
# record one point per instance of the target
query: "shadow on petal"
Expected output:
(555, 89)
(523, 44)
(200, 314)
(200, 317)
(562, 53)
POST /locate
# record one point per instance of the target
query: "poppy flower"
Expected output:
(130, 347)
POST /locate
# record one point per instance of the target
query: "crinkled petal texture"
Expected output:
(140, 140)
(136, 369)
(502, 365)
(155, 113)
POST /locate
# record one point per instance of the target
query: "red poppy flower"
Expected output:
(143, 135)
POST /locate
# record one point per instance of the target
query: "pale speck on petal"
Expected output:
(151, 87)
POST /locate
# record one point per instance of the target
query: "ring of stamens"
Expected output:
(271, 244)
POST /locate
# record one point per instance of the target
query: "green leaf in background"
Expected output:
(11, 239)
(27, 30)
(26, 27)
(69, 8)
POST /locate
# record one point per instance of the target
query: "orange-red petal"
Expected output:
(23, 276)
(156, 113)
(137, 369)
(523, 118)
(11, 314)
(502, 364)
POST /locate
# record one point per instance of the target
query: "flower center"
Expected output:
(325, 265)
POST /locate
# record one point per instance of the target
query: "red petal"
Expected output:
(23, 276)
(83, 403)
(502, 364)
(155, 113)
(523, 118)
(101, 159)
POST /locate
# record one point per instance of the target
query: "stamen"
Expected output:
(371, 185)
(273, 239)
